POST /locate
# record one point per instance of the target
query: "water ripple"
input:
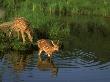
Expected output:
(83, 59)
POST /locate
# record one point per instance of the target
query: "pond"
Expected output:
(72, 63)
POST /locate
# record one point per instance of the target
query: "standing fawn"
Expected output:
(21, 25)
(49, 47)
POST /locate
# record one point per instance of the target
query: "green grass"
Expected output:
(33, 9)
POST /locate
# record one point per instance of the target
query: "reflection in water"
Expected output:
(47, 64)
(18, 61)
(17, 67)
(70, 65)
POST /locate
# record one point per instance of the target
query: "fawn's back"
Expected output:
(20, 24)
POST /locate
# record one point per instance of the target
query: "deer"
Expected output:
(48, 46)
(20, 25)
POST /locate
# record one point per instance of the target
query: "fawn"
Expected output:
(21, 25)
(47, 46)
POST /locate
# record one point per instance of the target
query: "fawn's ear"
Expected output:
(58, 42)
(52, 42)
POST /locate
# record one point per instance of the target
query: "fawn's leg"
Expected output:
(39, 58)
(39, 53)
(49, 55)
(29, 36)
(10, 33)
(23, 36)
(18, 35)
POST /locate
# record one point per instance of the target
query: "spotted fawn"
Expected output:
(48, 46)
(21, 25)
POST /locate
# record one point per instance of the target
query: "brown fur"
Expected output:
(21, 25)
(47, 46)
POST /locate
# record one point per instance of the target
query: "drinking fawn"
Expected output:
(48, 46)
(22, 25)
(19, 25)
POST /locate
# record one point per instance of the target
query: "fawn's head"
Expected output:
(55, 45)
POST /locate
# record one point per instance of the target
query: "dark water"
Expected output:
(67, 66)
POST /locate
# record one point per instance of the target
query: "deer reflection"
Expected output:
(47, 65)
(19, 61)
